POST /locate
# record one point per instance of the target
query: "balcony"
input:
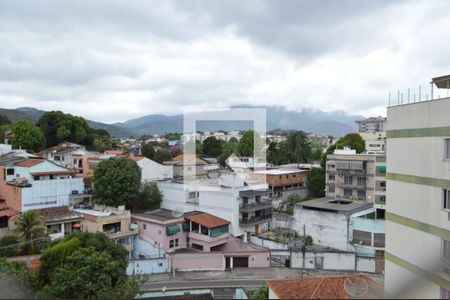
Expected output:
(255, 206)
(255, 220)
(351, 186)
(352, 172)
(203, 238)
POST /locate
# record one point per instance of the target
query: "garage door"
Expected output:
(240, 262)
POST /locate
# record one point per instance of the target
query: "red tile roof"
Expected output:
(137, 158)
(207, 220)
(337, 287)
(53, 212)
(189, 158)
(29, 162)
(9, 212)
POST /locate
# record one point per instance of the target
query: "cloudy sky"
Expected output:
(114, 60)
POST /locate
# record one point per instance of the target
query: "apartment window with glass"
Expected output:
(446, 250)
(447, 149)
(362, 195)
(361, 181)
(331, 177)
(331, 189)
(348, 179)
(446, 199)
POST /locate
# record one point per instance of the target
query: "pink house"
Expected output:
(198, 241)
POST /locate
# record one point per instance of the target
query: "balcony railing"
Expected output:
(255, 220)
(352, 186)
(256, 206)
(352, 172)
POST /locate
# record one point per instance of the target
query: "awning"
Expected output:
(219, 230)
(381, 168)
(172, 229)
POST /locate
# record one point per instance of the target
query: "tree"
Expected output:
(117, 181)
(4, 120)
(211, 147)
(162, 155)
(316, 182)
(58, 127)
(99, 145)
(26, 136)
(149, 198)
(351, 140)
(148, 150)
(30, 228)
(260, 294)
(7, 246)
(246, 147)
(85, 265)
(277, 153)
(298, 146)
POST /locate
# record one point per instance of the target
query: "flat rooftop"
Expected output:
(336, 205)
(280, 171)
(159, 214)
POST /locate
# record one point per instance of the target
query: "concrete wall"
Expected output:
(197, 261)
(268, 243)
(50, 193)
(151, 170)
(147, 266)
(326, 229)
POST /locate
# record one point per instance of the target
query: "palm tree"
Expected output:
(29, 227)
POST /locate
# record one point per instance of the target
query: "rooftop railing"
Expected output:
(419, 93)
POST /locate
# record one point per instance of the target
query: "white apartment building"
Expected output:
(375, 142)
(418, 211)
(373, 124)
(248, 209)
(151, 170)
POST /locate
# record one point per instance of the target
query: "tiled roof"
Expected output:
(29, 162)
(116, 152)
(206, 220)
(189, 158)
(336, 287)
(54, 212)
(137, 158)
(8, 212)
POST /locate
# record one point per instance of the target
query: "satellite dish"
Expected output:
(356, 287)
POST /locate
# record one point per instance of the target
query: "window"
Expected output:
(330, 177)
(10, 171)
(173, 243)
(447, 149)
(331, 189)
(36, 178)
(52, 177)
(144, 226)
(446, 250)
(362, 195)
(347, 193)
(293, 175)
(446, 199)
(193, 195)
(361, 181)
(348, 179)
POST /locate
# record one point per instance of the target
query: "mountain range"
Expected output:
(335, 123)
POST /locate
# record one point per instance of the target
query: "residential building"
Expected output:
(33, 183)
(151, 170)
(114, 222)
(247, 163)
(7, 216)
(418, 210)
(327, 221)
(188, 166)
(372, 124)
(326, 287)
(60, 221)
(375, 142)
(198, 241)
(283, 182)
(247, 208)
(61, 154)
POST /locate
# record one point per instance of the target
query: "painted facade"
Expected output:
(417, 213)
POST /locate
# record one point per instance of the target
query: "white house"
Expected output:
(33, 183)
(248, 209)
(151, 170)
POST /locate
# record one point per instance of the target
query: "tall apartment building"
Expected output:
(418, 211)
(373, 124)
